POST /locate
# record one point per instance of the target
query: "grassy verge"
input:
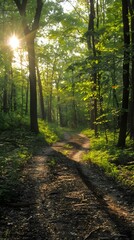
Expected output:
(117, 163)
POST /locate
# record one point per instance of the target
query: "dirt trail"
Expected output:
(62, 198)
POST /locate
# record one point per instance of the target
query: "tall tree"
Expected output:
(43, 114)
(126, 63)
(91, 44)
(30, 30)
(131, 9)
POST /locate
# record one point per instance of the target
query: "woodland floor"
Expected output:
(61, 197)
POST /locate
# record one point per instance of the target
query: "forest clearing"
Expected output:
(66, 119)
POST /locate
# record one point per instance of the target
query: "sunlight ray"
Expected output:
(14, 42)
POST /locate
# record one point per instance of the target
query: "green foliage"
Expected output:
(11, 120)
(47, 132)
(117, 163)
(17, 145)
(52, 162)
(67, 68)
(15, 152)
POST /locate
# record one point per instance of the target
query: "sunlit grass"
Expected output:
(47, 132)
(117, 163)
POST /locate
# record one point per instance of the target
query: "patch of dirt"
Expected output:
(60, 197)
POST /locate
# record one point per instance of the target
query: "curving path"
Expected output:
(62, 198)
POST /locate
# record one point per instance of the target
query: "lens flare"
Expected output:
(13, 42)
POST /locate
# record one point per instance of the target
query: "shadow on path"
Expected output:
(56, 200)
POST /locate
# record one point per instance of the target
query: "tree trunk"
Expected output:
(74, 114)
(131, 113)
(13, 98)
(32, 78)
(5, 105)
(91, 44)
(41, 95)
(61, 116)
(5, 94)
(30, 30)
(27, 97)
(125, 98)
(50, 105)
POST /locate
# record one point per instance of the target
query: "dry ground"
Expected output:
(62, 198)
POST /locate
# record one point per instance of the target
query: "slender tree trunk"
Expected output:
(27, 97)
(13, 99)
(91, 44)
(5, 104)
(22, 85)
(132, 87)
(97, 14)
(61, 117)
(74, 114)
(131, 113)
(5, 94)
(41, 95)
(125, 98)
(50, 105)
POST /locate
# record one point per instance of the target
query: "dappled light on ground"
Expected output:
(60, 197)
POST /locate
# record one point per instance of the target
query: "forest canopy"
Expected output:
(70, 63)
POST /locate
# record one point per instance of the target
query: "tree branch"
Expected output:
(131, 7)
(21, 7)
(37, 16)
(22, 10)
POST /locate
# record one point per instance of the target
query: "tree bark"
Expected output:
(132, 77)
(27, 97)
(5, 106)
(91, 44)
(131, 113)
(126, 61)
(41, 95)
(33, 92)
(30, 34)
(74, 113)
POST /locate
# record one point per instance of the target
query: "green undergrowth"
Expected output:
(61, 131)
(48, 132)
(17, 145)
(117, 163)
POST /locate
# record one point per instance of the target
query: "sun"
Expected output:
(14, 42)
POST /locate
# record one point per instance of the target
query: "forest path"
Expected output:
(62, 198)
